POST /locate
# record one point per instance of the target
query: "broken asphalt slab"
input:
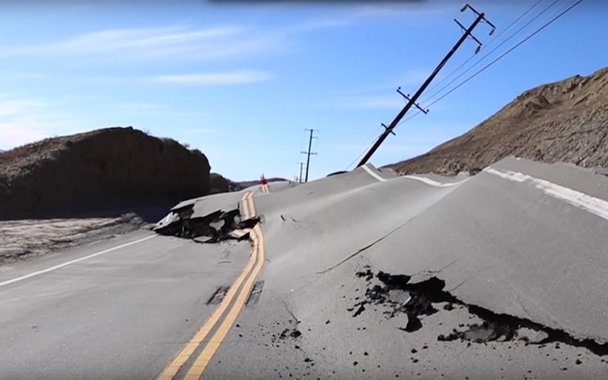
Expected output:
(217, 226)
(199, 218)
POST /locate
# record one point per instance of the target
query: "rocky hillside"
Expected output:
(563, 121)
(99, 173)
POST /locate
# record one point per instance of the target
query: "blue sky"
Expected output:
(241, 81)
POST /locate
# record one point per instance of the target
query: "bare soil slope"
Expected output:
(564, 121)
(105, 172)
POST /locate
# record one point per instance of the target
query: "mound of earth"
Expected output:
(564, 121)
(105, 172)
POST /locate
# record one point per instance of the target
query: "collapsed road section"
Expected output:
(395, 294)
(211, 228)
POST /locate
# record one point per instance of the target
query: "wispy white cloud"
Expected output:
(127, 45)
(27, 120)
(412, 79)
(19, 130)
(405, 10)
(145, 44)
(317, 24)
(373, 12)
(393, 101)
(15, 134)
(10, 107)
(213, 79)
(379, 95)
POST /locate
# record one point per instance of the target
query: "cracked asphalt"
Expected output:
(365, 276)
(499, 246)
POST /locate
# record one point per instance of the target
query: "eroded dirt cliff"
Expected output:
(105, 172)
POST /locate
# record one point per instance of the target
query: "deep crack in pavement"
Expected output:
(398, 295)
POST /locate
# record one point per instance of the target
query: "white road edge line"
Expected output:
(586, 202)
(431, 182)
(38, 273)
(371, 172)
(427, 181)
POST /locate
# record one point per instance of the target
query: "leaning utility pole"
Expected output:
(308, 153)
(412, 101)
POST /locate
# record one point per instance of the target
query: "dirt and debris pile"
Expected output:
(564, 121)
(105, 172)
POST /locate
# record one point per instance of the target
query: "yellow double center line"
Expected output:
(248, 276)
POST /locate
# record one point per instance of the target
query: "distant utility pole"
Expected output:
(300, 177)
(309, 153)
(412, 101)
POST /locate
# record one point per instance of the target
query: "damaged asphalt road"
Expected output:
(399, 278)
(365, 275)
(216, 226)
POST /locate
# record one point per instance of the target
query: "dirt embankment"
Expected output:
(564, 121)
(106, 172)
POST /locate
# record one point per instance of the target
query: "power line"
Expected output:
(436, 93)
(518, 19)
(493, 50)
(371, 136)
(508, 51)
(361, 155)
(488, 44)
(551, 21)
(412, 101)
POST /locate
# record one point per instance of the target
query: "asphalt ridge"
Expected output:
(319, 238)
